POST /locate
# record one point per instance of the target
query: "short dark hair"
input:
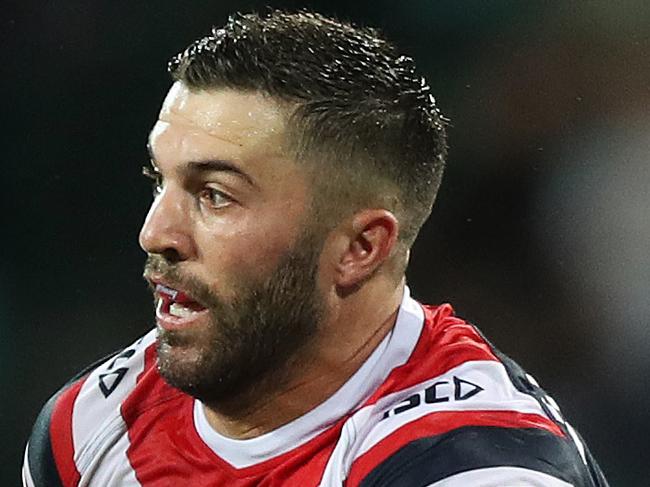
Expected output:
(359, 111)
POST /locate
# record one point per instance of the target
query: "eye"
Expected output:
(215, 198)
(156, 178)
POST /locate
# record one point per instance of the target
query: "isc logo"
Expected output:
(442, 391)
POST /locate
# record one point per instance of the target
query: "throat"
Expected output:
(273, 401)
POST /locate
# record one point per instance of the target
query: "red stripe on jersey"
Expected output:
(440, 423)
(445, 342)
(150, 357)
(61, 435)
(305, 464)
(144, 411)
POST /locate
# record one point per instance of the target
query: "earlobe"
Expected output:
(372, 239)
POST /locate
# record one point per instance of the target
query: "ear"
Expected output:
(371, 239)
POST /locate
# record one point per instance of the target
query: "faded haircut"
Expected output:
(359, 112)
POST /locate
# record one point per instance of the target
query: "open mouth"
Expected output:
(173, 302)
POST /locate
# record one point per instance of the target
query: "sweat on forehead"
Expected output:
(236, 116)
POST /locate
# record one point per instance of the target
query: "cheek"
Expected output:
(250, 248)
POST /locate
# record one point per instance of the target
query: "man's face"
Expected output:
(231, 261)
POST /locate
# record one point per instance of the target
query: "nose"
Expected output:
(167, 229)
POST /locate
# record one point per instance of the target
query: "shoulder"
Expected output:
(461, 413)
(77, 416)
(480, 456)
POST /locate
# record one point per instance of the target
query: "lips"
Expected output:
(176, 309)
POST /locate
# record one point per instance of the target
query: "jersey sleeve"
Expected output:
(72, 425)
(482, 457)
(49, 453)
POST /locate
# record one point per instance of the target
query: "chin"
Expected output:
(194, 371)
(179, 363)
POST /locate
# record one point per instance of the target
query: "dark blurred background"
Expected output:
(540, 234)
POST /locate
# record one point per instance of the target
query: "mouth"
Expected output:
(176, 309)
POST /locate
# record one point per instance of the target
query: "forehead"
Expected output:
(194, 123)
(226, 112)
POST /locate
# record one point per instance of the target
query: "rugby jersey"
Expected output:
(434, 405)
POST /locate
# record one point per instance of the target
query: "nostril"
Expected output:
(171, 255)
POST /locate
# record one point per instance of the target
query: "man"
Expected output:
(294, 160)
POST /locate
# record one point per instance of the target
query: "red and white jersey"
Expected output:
(434, 405)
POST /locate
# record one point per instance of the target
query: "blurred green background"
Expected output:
(541, 233)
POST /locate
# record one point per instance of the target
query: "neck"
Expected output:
(357, 325)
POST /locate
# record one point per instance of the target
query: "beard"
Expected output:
(250, 340)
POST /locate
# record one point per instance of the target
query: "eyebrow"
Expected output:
(207, 165)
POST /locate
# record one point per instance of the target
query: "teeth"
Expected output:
(180, 311)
